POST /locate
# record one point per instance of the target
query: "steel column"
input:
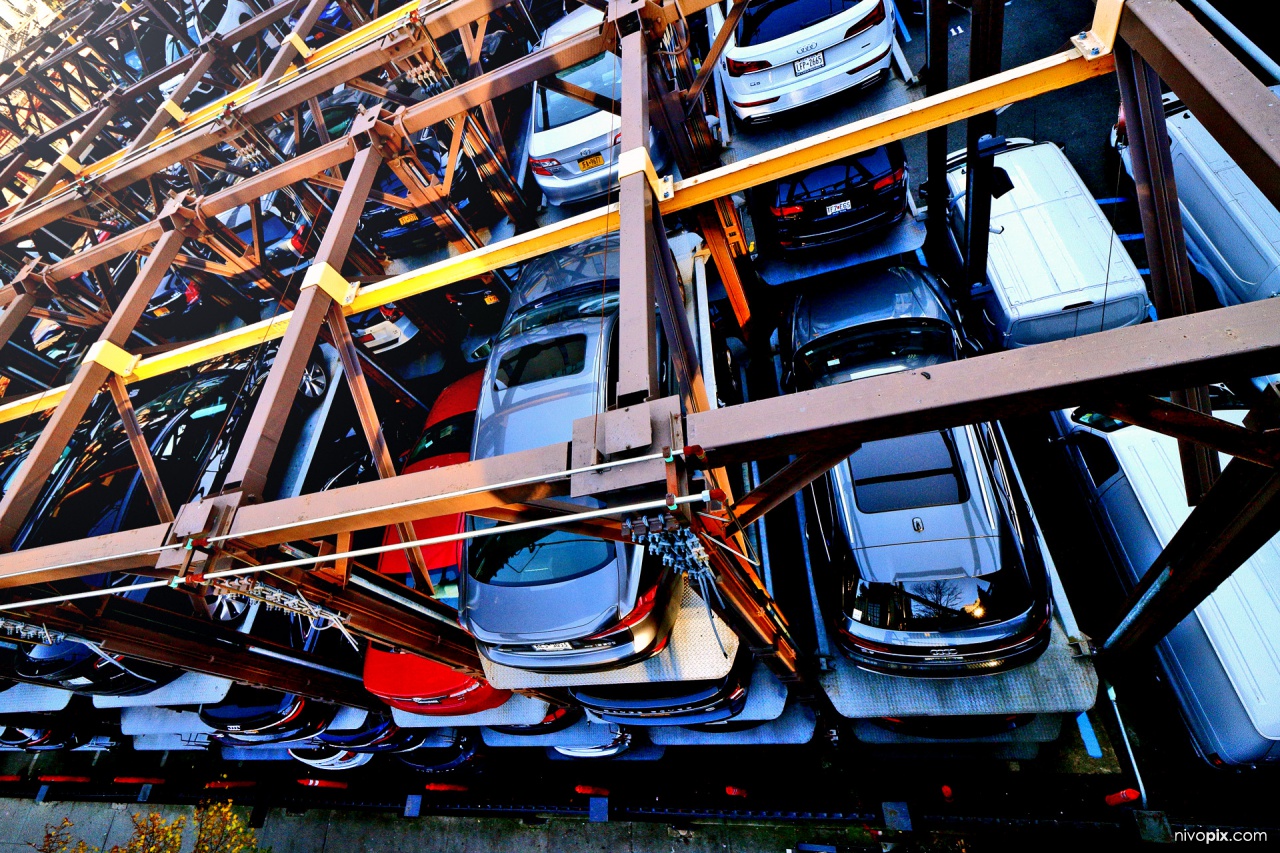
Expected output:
(206, 62)
(986, 43)
(936, 82)
(1157, 193)
(248, 471)
(141, 451)
(637, 326)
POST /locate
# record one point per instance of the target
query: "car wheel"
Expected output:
(314, 384)
(329, 758)
(226, 608)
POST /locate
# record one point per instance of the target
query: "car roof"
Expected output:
(1050, 242)
(457, 398)
(893, 293)
(577, 21)
(541, 413)
(1239, 616)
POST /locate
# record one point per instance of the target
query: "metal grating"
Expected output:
(795, 726)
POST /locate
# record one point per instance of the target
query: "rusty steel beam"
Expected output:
(1232, 103)
(778, 488)
(372, 427)
(141, 452)
(1190, 425)
(637, 325)
(84, 143)
(1157, 192)
(1197, 348)
(1237, 517)
(207, 60)
(149, 633)
(25, 488)
(248, 471)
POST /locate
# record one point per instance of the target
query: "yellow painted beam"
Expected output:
(1025, 81)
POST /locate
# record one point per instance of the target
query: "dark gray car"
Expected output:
(545, 599)
(934, 575)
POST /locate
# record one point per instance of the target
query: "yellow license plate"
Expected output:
(408, 217)
(586, 164)
(160, 312)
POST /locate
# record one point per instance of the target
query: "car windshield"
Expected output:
(949, 604)
(844, 356)
(774, 19)
(909, 472)
(532, 557)
(599, 74)
(538, 362)
(583, 302)
(452, 435)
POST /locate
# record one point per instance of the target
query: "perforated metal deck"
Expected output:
(796, 725)
(693, 654)
(161, 721)
(33, 697)
(766, 698)
(1057, 682)
(519, 710)
(190, 688)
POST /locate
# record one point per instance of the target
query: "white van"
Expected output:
(1222, 661)
(1056, 268)
(1232, 230)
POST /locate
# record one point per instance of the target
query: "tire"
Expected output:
(314, 384)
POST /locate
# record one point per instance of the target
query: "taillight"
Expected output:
(543, 165)
(365, 338)
(876, 16)
(299, 240)
(644, 606)
(391, 312)
(745, 104)
(787, 211)
(737, 68)
(617, 138)
(890, 180)
(192, 293)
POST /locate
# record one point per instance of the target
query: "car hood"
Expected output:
(542, 613)
(400, 675)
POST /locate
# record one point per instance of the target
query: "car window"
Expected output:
(909, 472)
(1098, 457)
(587, 302)
(774, 19)
(842, 357)
(599, 74)
(452, 435)
(542, 361)
(531, 557)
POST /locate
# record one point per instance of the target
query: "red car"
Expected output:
(407, 681)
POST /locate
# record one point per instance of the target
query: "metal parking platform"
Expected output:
(33, 697)
(1043, 729)
(1059, 681)
(190, 688)
(584, 733)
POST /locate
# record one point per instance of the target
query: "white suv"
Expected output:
(786, 53)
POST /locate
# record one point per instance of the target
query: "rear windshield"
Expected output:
(907, 473)
(452, 435)
(774, 19)
(599, 75)
(841, 357)
(532, 557)
(541, 361)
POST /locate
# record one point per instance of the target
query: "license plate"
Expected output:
(586, 164)
(161, 311)
(552, 647)
(839, 207)
(809, 63)
(408, 217)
